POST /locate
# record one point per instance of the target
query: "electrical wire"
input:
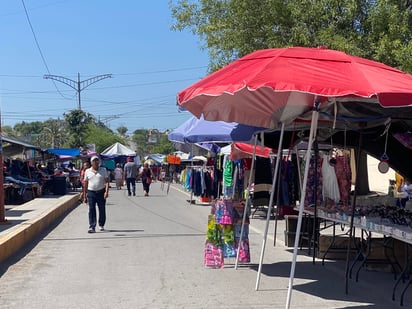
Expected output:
(38, 47)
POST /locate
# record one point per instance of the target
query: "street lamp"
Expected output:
(78, 85)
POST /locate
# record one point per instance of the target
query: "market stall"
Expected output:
(278, 86)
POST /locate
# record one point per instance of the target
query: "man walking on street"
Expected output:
(130, 175)
(96, 191)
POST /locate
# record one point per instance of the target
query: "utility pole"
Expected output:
(78, 85)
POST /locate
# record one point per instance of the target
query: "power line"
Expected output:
(38, 46)
(35, 37)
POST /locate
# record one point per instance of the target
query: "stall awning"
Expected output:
(67, 152)
(12, 140)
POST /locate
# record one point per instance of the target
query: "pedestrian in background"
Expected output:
(146, 178)
(96, 191)
(118, 176)
(130, 175)
(85, 166)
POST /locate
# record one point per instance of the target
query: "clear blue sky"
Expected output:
(130, 39)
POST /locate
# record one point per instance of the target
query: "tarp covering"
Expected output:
(66, 152)
(116, 150)
(159, 158)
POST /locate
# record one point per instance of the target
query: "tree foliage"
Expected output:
(8, 130)
(78, 122)
(27, 128)
(53, 134)
(122, 130)
(102, 137)
(164, 147)
(139, 137)
(380, 30)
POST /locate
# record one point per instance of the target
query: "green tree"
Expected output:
(102, 137)
(78, 122)
(164, 147)
(379, 30)
(27, 129)
(53, 134)
(139, 137)
(122, 130)
(8, 130)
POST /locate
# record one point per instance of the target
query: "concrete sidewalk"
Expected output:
(315, 285)
(26, 221)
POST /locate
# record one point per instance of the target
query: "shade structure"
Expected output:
(277, 86)
(196, 130)
(273, 86)
(245, 150)
(118, 149)
(67, 152)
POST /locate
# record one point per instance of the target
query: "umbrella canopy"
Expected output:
(240, 150)
(118, 149)
(277, 85)
(243, 150)
(199, 130)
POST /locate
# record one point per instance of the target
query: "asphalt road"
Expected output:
(151, 256)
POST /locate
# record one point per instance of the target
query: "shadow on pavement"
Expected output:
(328, 282)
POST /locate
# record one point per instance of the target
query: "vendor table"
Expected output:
(367, 227)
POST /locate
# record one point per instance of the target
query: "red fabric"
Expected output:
(247, 163)
(244, 150)
(277, 85)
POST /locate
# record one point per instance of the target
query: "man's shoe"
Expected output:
(134, 193)
(128, 194)
(101, 228)
(91, 230)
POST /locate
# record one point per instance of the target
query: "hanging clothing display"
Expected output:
(343, 169)
(333, 177)
(263, 179)
(330, 186)
(199, 180)
(314, 183)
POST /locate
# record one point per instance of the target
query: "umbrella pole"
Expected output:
(313, 128)
(246, 209)
(277, 208)
(351, 229)
(192, 167)
(234, 182)
(272, 193)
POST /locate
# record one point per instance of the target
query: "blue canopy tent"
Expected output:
(65, 152)
(197, 130)
(157, 157)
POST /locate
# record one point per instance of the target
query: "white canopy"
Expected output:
(118, 149)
